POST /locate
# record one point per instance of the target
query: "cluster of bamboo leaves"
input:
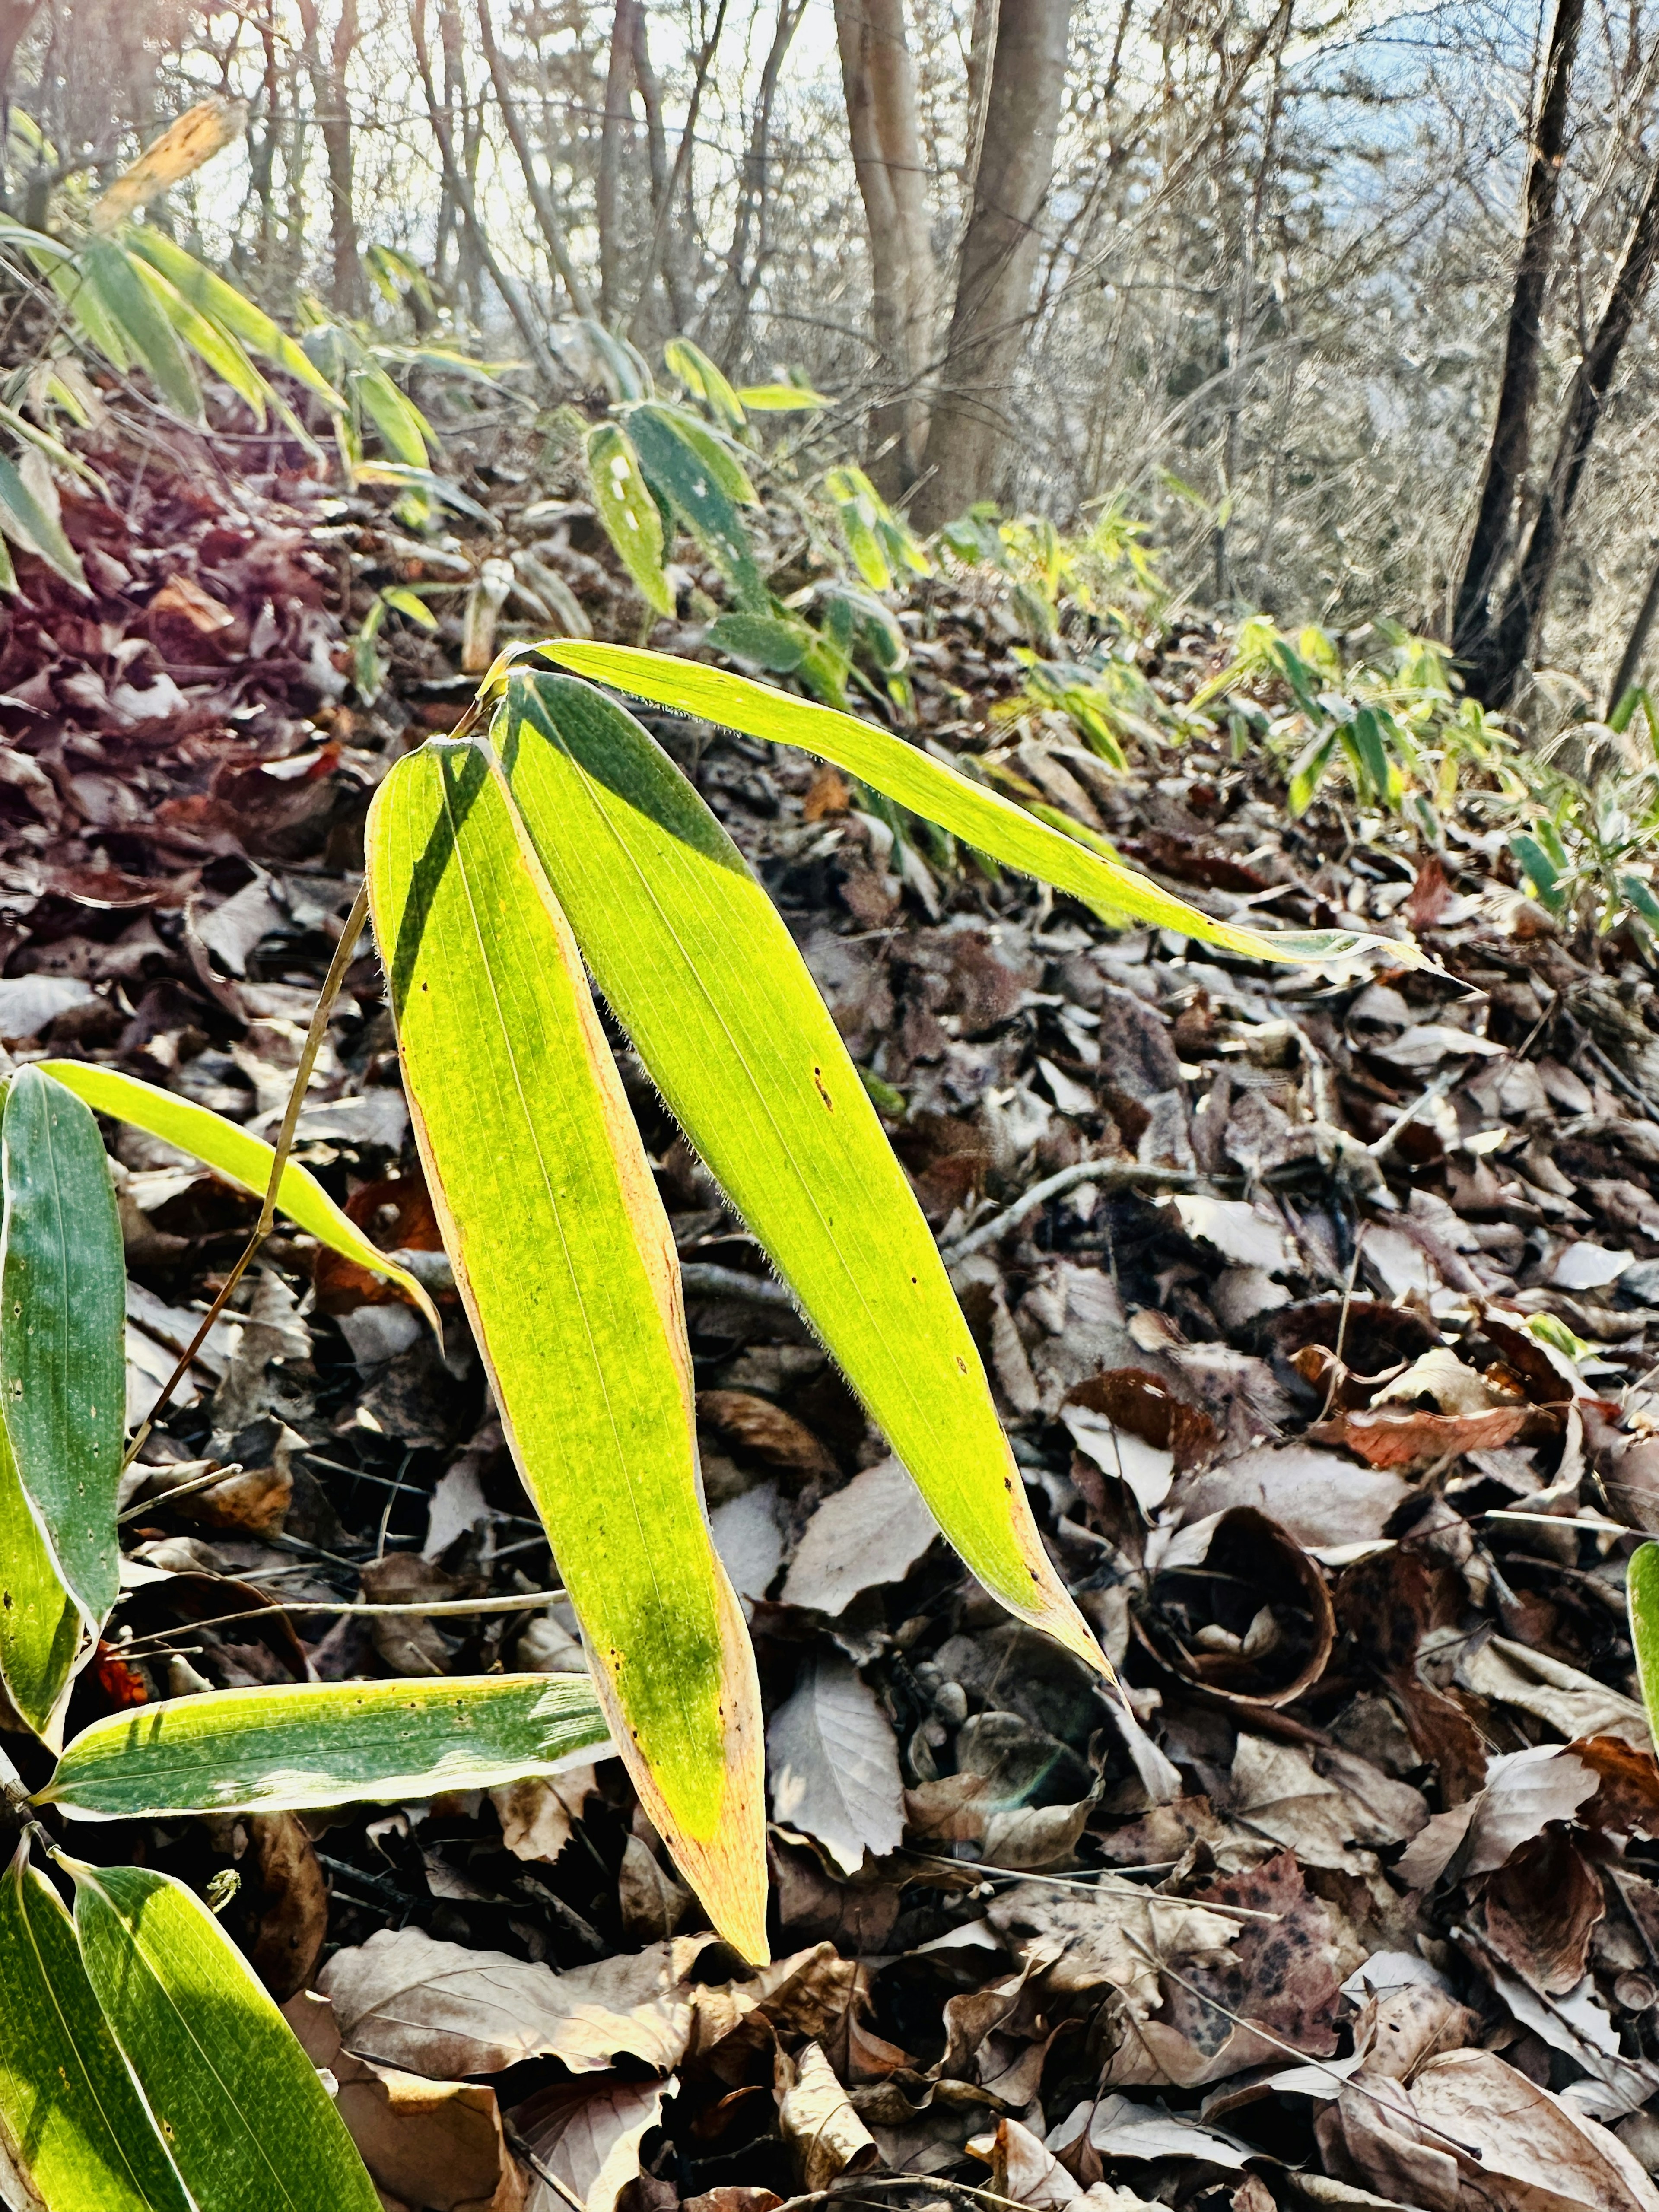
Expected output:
(657, 466)
(503, 869)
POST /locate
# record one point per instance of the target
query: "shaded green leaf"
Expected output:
(234, 1154)
(705, 486)
(222, 353)
(427, 480)
(1642, 1590)
(250, 2125)
(697, 961)
(62, 1322)
(221, 302)
(73, 2123)
(28, 522)
(761, 640)
(326, 1743)
(628, 511)
(39, 1626)
(565, 1263)
(931, 788)
(146, 329)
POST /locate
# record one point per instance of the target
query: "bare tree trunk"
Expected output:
(681, 174)
(1629, 661)
(682, 297)
(1238, 344)
(1496, 670)
(880, 84)
(541, 198)
(743, 272)
(1506, 458)
(328, 88)
(461, 191)
(968, 428)
(618, 122)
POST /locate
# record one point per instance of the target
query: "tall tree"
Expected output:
(329, 91)
(617, 126)
(1505, 479)
(1498, 666)
(881, 83)
(971, 421)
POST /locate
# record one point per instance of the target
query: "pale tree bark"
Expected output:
(880, 82)
(617, 126)
(744, 270)
(659, 258)
(1506, 652)
(460, 189)
(15, 16)
(1629, 661)
(972, 414)
(1505, 479)
(541, 195)
(328, 86)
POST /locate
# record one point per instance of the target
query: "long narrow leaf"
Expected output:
(326, 1743)
(240, 2107)
(222, 353)
(31, 524)
(141, 323)
(566, 1263)
(63, 1305)
(694, 958)
(223, 304)
(683, 460)
(40, 1626)
(73, 2123)
(933, 788)
(629, 513)
(233, 1153)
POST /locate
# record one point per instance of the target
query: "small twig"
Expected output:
(1443, 1083)
(1342, 1320)
(703, 1279)
(180, 1490)
(1620, 1081)
(520, 1601)
(314, 1036)
(1114, 1174)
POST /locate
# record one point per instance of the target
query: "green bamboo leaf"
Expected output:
(222, 353)
(566, 1263)
(1643, 1593)
(691, 953)
(39, 1626)
(705, 486)
(239, 2104)
(223, 304)
(128, 304)
(8, 574)
(779, 398)
(425, 480)
(234, 1154)
(399, 422)
(72, 2122)
(698, 373)
(931, 788)
(326, 1743)
(761, 640)
(628, 511)
(30, 523)
(63, 1321)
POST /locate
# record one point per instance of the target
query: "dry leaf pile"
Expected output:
(1338, 1423)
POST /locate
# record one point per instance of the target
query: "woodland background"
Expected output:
(1250, 269)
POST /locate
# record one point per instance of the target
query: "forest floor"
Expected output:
(1367, 1911)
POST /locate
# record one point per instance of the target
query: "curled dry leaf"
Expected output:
(818, 2122)
(1239, 1610)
